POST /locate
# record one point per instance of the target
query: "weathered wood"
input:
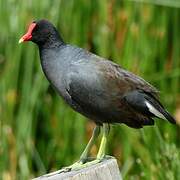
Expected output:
(106, 170)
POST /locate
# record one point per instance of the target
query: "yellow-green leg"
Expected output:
(101, 153)
(82, 163)
(84, 155)
(102, 148)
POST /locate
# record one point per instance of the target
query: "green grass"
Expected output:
(39, 133)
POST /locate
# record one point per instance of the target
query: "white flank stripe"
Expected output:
(154, 111)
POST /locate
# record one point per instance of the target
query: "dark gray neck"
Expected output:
(51, 43)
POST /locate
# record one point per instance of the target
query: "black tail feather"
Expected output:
(138, 101)
(168, 117)
(157, 104)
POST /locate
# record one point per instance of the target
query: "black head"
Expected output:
(41, 32)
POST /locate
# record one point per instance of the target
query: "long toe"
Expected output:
(80, 165)
(77, 166)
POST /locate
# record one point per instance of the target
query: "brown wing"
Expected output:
(123, 80)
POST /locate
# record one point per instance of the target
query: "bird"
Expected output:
(96, 87)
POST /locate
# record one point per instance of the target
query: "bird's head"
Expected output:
(41, 32)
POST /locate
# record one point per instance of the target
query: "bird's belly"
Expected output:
(105, 114)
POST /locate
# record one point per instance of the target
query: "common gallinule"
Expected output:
(94, 86)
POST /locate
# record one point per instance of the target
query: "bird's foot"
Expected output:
(78, 165)
(82, 164)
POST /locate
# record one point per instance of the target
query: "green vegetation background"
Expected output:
(40, 133)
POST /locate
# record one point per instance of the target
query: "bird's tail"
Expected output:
(168, 116)
(156, 108)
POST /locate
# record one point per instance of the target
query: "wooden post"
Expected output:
(105, 170)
